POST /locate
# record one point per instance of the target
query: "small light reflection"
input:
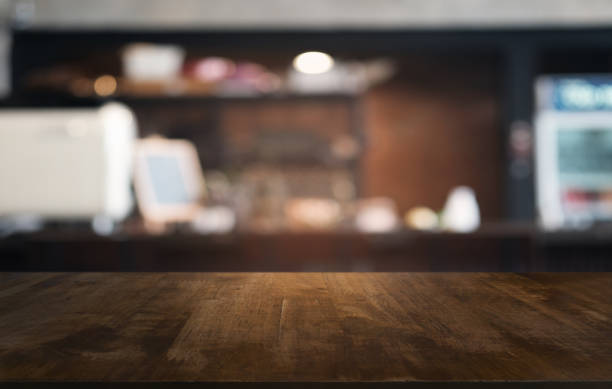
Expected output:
(105, 85)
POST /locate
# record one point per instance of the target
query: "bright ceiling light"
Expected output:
(313, 62)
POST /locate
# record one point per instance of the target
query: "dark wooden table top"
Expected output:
(306, 327)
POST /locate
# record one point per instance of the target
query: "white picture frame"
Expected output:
(193, 191)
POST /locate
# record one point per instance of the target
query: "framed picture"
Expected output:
(168, 181)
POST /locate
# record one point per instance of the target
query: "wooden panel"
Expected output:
(433, 127)
(305, 327)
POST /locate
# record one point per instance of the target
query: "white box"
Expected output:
(67, 163)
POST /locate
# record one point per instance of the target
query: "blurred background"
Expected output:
(464, 135)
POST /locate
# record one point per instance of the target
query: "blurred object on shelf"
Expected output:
(264, 195)
(278, 150)
(142, 69)
(312, 213)
(214, 220)
(268, 82)
(422, 218)
(376, 215)
(152, 62)
(230, 78)
(169, 182)
(248, 79)
(209, 69)
(105, 85)
(67, 164)
(346, 77)
(328, 82)
(461, 212)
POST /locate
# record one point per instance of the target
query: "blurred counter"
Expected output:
(502, 247)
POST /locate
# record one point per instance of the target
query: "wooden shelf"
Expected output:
(38, 98)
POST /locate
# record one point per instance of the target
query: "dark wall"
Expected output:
(434, 126)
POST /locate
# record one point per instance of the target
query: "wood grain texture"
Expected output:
(305, 326)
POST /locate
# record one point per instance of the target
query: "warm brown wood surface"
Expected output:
(305, 326)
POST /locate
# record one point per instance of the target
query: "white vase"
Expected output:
(461, 212)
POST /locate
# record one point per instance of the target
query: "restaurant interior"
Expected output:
(347, 168)
(226, 137)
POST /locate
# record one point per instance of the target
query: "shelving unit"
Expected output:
(525, 54)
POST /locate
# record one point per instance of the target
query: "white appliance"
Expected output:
(573, 125)
(67, 164)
